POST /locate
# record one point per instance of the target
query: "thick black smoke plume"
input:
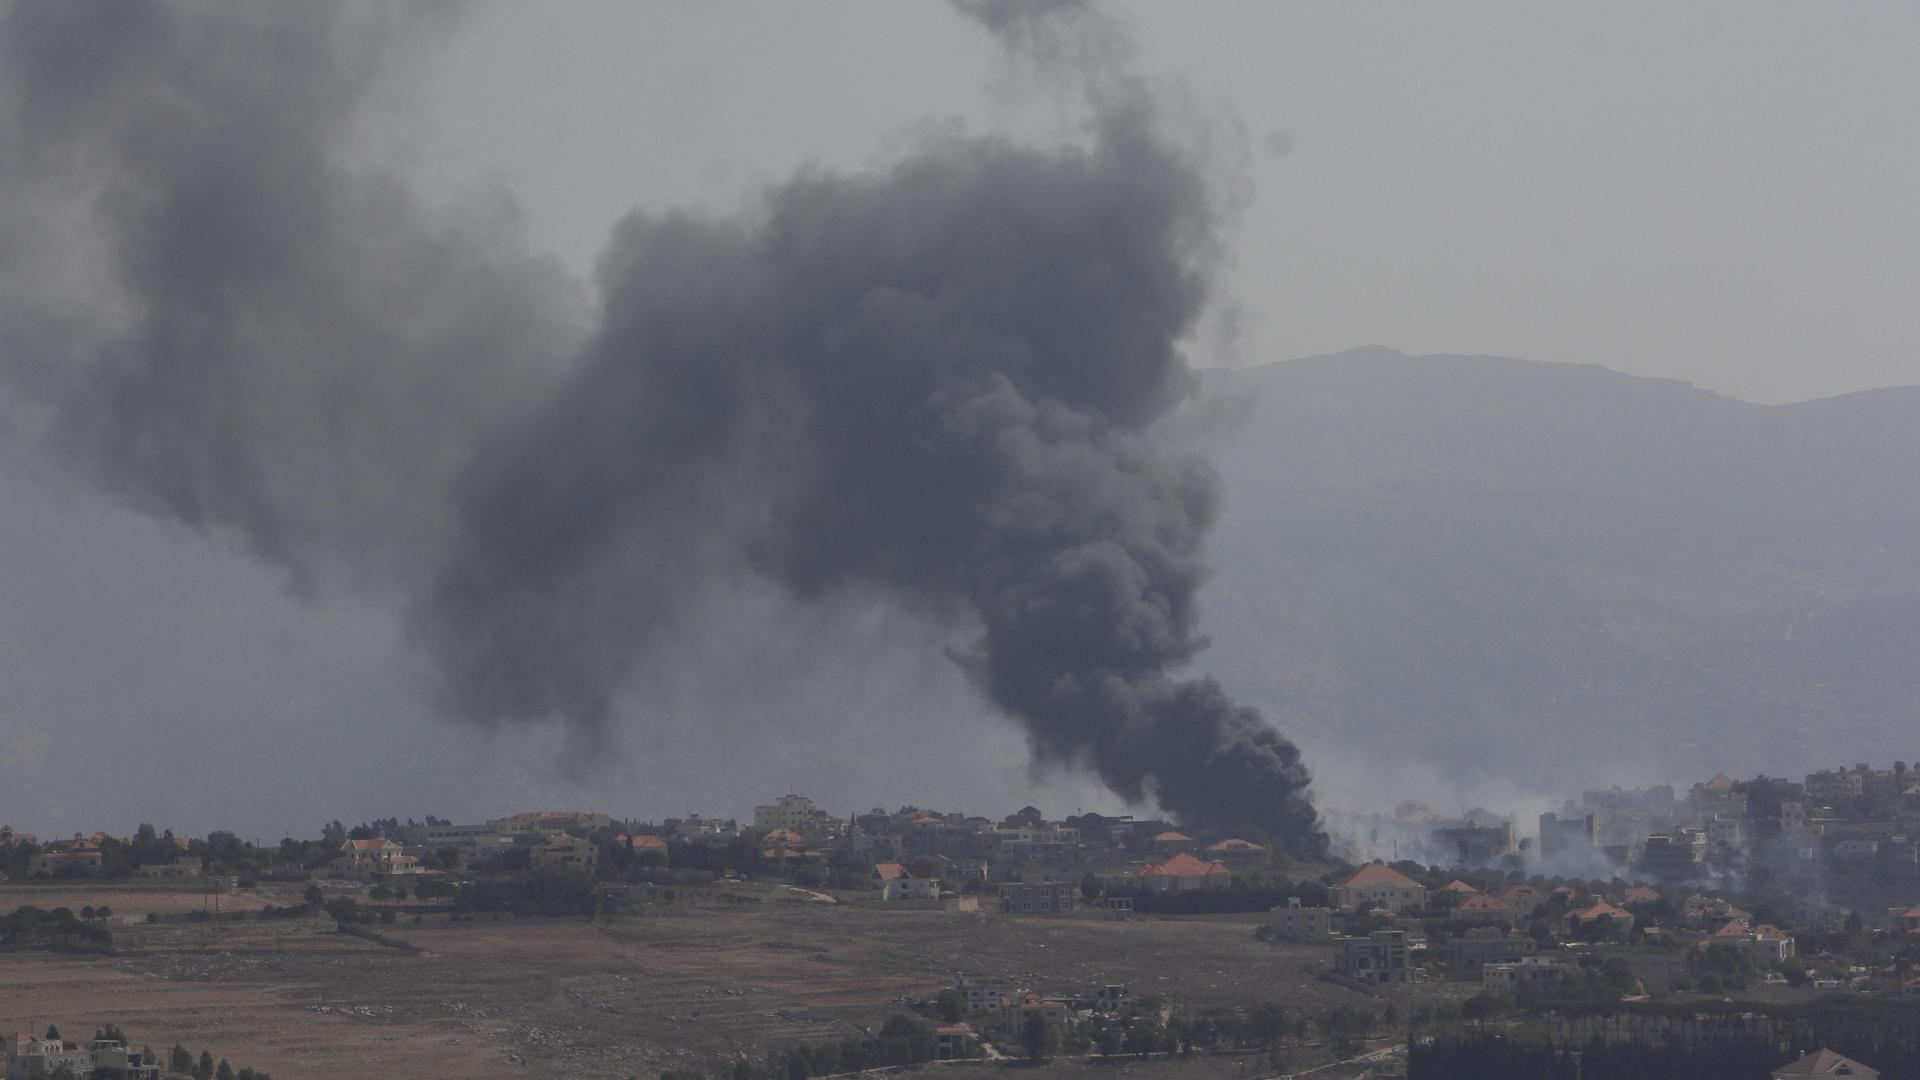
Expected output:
(931, 385)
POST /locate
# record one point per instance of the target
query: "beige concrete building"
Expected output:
(1376, 885)
(1294, 922)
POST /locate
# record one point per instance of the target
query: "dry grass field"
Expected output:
(625, 997)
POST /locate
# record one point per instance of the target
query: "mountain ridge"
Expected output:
(1498, 565)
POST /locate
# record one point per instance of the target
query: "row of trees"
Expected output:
(902, 1040)
(29, 925)
(181, 1062)
(1656, 1041)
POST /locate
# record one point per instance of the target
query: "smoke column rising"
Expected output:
(929, 385)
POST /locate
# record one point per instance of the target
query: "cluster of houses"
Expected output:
(33, 1058)
(83, 853)
(1495, 952)
(1011, 1004)
(1856, 819)
(918, 854)
(552, 839)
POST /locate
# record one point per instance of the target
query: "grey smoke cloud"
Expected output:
(929, 385)
(259, 332)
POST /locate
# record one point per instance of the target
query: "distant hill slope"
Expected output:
(1561, 575)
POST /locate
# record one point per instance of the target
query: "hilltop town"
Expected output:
(1072, 939)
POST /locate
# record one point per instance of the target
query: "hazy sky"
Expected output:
(1717, 192)
(1720, 193)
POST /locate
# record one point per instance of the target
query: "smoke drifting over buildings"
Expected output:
(928, 386)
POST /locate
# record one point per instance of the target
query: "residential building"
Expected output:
(1836, 787)
(1171, 843)
(1711, 913)
(1294, 922)
(799, 814)
(1907, 921)
(1459, 888)
(1674, 854)
(1475, 843)
(1769, 945)
(61, 862)
(1040, 898)
(1380, 957)
(1537, 971)
(892, 881)
(644, 844)
(695, 827)
(782, 844)
(981, 994)
(1793, 819)
(375, 856)
(543, 822)
(1824, 1062)
(945, 867)
(29, 1058)
(1378, 885)
(1236, 852)
(1484, 908)
(460, 837)
(1725, 832)
(1568, 835)
(1184, 873)
(1468, 955)
(564, 851)
(1017, 1007)
(952, 1042)
(1589, 919)
(174, 871)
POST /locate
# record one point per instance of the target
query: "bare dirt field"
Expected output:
(624, 997)
(130, 903)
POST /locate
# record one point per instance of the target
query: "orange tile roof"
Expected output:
(1232, 843)
(1720, 782)
(1733, 928)
(1456, 885)
(1183, 865)
(1598, 911)
(1641, 894)
(1482, 902)
(889, 871)
(374, 844)
(1171, 837)
(1378, 874)
(649, 841)
(1912, 912)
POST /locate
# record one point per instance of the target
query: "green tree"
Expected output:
(179, 1060)
(1090, 887)
(224, 1072)
(1033, 1036)
(313, 896)
(949, 1005)
(53, 1033)
(204, 1070)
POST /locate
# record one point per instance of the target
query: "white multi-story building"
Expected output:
(1296, 923)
